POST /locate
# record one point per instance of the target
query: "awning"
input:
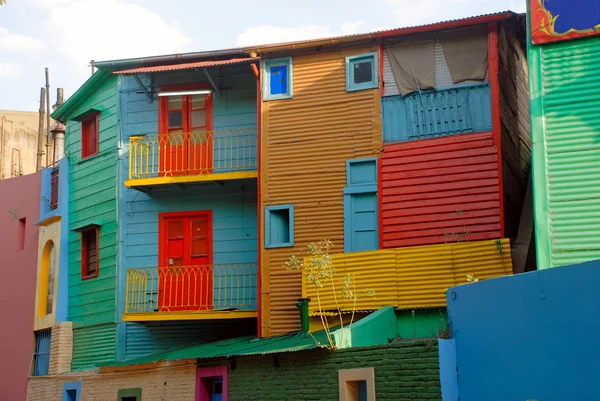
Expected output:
(187, 66)
(237, 347)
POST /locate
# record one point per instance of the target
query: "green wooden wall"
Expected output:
(92, 200)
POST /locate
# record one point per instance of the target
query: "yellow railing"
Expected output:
(191, 288)
(412, 277)
(193, 153)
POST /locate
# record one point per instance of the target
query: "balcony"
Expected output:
(183, 158)
(411, 277)
(191, 292)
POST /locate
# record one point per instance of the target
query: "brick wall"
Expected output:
(403, 371)
(61, 348)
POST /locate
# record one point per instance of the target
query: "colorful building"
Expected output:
(563, 44)
(193, 178)
(19, 210)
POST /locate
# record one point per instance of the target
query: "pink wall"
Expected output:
(19, 198)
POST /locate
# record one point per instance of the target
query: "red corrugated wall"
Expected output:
(436, 190)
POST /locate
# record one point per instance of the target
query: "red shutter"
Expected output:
(89, 136)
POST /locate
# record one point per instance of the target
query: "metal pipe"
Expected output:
(302, 304)
(47, 117)
(40, 151)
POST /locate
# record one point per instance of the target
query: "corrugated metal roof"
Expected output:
(238, 346)
(186, 66)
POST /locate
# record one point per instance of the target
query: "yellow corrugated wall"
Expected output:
(305, 144)
(413, 277)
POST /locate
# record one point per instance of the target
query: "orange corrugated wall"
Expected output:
(305, 144)
(435, 190)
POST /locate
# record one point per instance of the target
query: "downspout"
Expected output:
(302, 304)
(256, 72)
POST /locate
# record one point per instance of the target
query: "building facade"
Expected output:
(193, 178)
(563, 43)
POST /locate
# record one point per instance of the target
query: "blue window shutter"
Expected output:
(42, 353)
(278, 79)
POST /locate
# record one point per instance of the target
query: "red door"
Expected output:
(186, 144)
(185, 279)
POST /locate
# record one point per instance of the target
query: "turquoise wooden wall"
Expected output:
(233, 203)
(432, 114)
(92, 200)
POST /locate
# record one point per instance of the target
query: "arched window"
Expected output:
(46, 280)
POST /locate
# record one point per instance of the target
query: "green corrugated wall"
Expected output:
(565, 107)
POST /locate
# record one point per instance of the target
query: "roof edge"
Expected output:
(61, 113)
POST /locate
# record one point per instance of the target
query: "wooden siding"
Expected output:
(92, 199)
(435, 190)
(305, 144)
(514, 114)
(233, 203)
(413, 277)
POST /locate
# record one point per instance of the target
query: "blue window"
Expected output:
(277, 79)
(361, 206)
(279, 226)
(362, 72)
(42, 352)
(71, 391)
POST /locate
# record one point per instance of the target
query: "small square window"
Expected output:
(89, 252)
(357, 384)
(362, 72)
(130, 394)
(277, 79)
(71, 391)
(89, 136)
(279, 226)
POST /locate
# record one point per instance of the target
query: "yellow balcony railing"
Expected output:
(192, 154)
(412, 277)
(191, 288)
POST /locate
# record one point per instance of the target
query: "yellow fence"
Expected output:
(412, 277)
(193, 153)
(191, 288)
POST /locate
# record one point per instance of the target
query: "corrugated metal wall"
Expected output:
(435, 190)
(413, 277)
(569, 174)
(305, 144)
(93, 346)
(515, 129)
(156, 337)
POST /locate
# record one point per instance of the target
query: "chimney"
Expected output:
(58, 134)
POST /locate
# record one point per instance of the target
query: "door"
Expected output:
(185, 137)
(362, 223)
(216, 390)
(185, 277)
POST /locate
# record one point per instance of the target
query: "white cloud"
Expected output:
(264, 34)
(17, 43)
(11, 71)
(110, 29)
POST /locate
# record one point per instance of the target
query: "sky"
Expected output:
(64, 35)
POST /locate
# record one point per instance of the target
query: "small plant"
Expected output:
(320, 272)
(500, 250)
(445, 329)
(14, 214)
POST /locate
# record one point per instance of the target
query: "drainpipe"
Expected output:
(302, 304)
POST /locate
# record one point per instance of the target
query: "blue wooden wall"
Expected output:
(433, 114)
(233, 204)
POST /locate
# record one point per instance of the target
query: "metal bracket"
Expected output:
(212, 82)
(141, 84)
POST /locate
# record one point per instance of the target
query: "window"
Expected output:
(212, 384)
(279, 226)
(89, 252)
(72, 391)
(21, 233)
(41, 358)
(54, 189)
(277, 79)
(89, 135)
(185, 113)
(130, 394)
(357, 384)
(362, 72)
